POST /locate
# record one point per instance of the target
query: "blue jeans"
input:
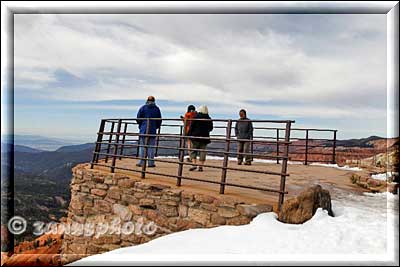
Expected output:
(150, 150)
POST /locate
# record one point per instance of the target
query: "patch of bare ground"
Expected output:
(301, 176)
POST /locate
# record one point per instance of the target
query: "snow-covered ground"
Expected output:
(365, 228)
(346, 167)
(382, 176)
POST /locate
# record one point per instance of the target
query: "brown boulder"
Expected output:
(393, 188)
(302, 208)
(373, 183)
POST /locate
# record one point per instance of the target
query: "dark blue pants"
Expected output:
(150, 150)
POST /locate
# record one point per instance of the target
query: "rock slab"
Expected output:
(303, 207)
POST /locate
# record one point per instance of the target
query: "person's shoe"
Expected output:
(193, 168)
(239, 163)
(200, 169)
(138, 165)
(188, 160)
(247, 163)
(151, 166)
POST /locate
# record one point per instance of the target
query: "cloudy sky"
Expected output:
(326, 71)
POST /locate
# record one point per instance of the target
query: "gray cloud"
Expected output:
(329, 63)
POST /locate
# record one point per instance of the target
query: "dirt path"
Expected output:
(335, 180)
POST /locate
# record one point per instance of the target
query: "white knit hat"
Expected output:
(203, 109)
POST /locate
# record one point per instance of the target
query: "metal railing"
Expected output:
(308, 149)
(115, 144)
(116, 141)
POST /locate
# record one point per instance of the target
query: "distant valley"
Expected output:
(38, 142)
(42, 178)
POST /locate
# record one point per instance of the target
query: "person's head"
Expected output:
(191, 108)
(242, 113)
(150, 100)
(203, 109)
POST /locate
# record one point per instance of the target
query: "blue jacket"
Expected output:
(150, 110)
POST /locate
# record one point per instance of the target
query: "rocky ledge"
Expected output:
(98, 197)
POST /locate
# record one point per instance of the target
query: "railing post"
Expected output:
(109, 140)
(146, 144)
(98, 144)
(116, 144)
(121, 151)
(138, 143)
(334, 148)
(277, 146)
(284, 165)
(226, 157)
(181, 154)
(306, 155)
(157, 141)
(252, 147)
(138, 146)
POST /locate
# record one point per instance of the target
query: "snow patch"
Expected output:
(364, 228)
(383, 176)
(346, 167)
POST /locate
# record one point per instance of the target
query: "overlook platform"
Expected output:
(337, 181)
(117, 148)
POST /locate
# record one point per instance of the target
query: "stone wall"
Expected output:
(99, 198)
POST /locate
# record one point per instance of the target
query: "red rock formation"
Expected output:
(43, 251)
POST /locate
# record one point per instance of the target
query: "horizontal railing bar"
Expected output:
(194, 179)
(216, 152)
(222, 139)
(295, 129)
(256, 188)
(166, 125)
(197, 149)
(134, 120)
(195, 137)
(319, 160)
(124, 122)
(207, 166)
(309, 146)
(161, 140)
(213, 150)
(172, 125)
(282, 129)
(316, 153)
(195, 119)
(314, 130)
(313, 153)
(139, 145)
(310, 139)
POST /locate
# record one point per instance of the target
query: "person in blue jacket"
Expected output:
(149, 110)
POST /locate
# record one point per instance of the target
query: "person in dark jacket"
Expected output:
(149, 110)
(202, 129)
(243, 131)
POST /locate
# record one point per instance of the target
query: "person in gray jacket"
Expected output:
(244, 131)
